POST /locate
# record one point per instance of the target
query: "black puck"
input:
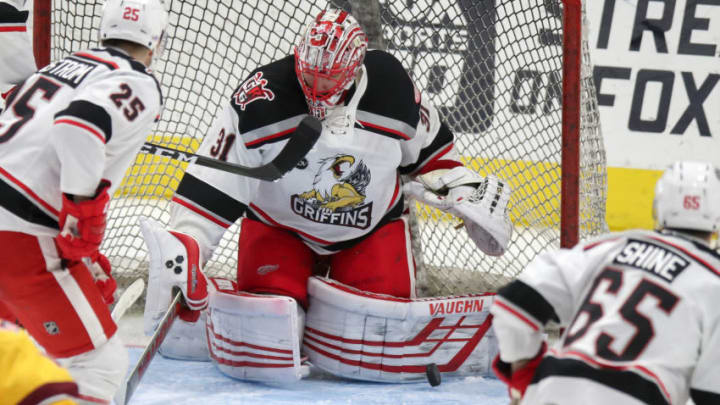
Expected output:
(433, 374)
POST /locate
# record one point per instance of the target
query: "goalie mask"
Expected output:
(327, 59)
(143, 22)
(687, 196)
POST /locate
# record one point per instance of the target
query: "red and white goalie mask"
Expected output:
(328, 57)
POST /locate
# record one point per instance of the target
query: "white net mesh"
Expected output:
(492, 67)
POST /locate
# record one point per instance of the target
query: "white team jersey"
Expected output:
(345, 187)
(16, 53)
(641, 318)
(74, 123)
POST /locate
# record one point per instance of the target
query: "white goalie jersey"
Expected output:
(347, 186)
(641, 319)
(74, 123)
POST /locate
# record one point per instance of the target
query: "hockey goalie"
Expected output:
(343, 205)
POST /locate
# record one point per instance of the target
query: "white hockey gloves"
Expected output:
(480, 202)
(174, 262)
(374, 337)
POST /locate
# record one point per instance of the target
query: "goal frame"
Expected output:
(570, 161)
(571, 87)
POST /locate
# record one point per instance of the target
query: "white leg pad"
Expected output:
(365, 336)
(99, 372)
(256, 337)
(186, 340)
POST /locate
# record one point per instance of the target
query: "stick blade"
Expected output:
(127, 299)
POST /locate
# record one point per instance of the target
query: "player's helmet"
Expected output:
(330, 52)
(143, 22)
(687, 196)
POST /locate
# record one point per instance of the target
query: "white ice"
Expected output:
(176, 382)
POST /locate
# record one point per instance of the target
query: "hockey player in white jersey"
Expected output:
(16, 56)
(639, 309)
(342, 205)
(67, 136)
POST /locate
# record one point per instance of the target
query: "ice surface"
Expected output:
(176, 382)
(182, 382)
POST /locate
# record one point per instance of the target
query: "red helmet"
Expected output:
(327, 58)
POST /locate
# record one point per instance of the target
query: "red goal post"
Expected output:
(512, 78)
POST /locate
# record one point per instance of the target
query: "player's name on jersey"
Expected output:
(652, 258)
(69, 71)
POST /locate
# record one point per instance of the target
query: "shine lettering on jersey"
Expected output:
(652, 258)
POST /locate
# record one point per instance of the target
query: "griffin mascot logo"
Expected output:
(337, 196)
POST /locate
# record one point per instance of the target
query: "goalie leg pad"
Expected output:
(375, 337)
(256, 337)
(187, 340)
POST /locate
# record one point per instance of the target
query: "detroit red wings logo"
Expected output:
(253, 89)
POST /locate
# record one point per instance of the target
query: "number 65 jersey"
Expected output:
(641, 319)
(73, 123)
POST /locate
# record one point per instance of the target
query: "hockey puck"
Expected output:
(433, 374)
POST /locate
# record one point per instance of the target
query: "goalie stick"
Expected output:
(126, 390)
(298, 145)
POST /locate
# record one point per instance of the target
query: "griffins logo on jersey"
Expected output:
(253, 89)
(337, 196)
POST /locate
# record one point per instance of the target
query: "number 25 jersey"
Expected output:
(70, 125)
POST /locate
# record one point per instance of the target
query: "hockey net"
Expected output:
(494, 69)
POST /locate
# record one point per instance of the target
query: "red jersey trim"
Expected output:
(83, 126)
(279, 225)
(200, 211)
(269, 137)
(516, 313)
(29, 192)
(13, 28)
(97, 59)
(384, 129)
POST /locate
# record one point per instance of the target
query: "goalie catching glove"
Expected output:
(480, 202)
(174, 262)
